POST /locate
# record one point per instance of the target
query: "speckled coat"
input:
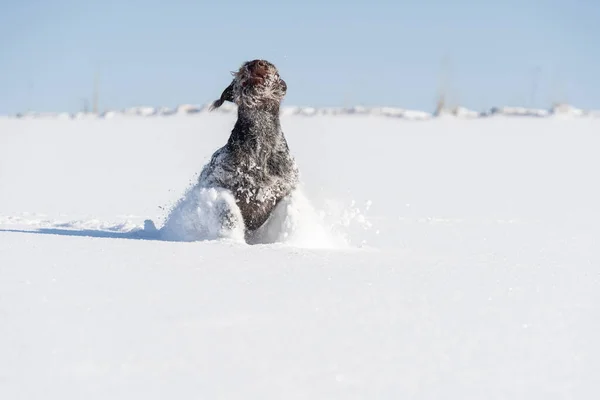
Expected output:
(255, 164)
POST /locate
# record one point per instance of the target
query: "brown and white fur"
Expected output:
(255, 164)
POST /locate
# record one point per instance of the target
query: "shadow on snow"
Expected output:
(147, 233)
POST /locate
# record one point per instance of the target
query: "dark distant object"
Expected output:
(255, 164)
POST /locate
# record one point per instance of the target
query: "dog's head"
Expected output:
(256, 83)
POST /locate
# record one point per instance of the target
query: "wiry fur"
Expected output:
(255, 164)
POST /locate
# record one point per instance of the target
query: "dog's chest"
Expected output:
(258, 180)
(253, 177)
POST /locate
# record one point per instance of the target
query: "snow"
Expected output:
(567, 110)
(188, 109)
(453, 258)
(520, 111)
(564, 110)
(459, 112)
(143, 111)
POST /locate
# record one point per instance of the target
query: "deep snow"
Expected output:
(447, 258)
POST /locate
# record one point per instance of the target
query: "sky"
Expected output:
(480, 54)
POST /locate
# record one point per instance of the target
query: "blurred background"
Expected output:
(70, 56)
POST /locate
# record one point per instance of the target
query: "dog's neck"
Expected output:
(256, 127)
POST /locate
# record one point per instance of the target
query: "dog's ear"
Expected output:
(227, 95)
(283, 85)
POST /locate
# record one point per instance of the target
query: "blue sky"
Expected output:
(333, 53)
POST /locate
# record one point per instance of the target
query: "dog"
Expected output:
(255, 165)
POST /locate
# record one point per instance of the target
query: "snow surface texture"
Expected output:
(448, 259)
(196, 217)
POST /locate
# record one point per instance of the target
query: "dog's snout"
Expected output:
(258, 67)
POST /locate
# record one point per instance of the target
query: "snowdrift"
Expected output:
(452, 258)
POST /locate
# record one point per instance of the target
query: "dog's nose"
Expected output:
(257, 65)
(258, 68)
